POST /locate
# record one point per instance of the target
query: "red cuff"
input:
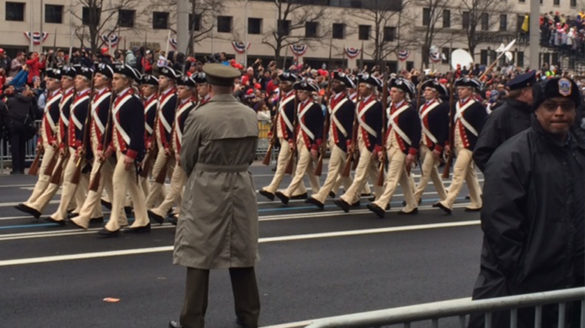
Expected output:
(314, 147)
(348, 142)
(378, 148)
(438, 148)
(412, 151)
(132, 153)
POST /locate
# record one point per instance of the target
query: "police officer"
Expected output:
(285, 131)
(469, 119)
(341, 116)
(402, 139)
(167, 104)
(100, 111)
(309, 134)
(185, 93)
(219, 216)
(369, 117)
(507, 120)
(434, 117)
(128, 144)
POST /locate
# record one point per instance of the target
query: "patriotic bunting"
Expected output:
(298, 49)
(37, 37)
(352, 52)
(173, 43)
(403, 55)
(240, 47)
(111, 39)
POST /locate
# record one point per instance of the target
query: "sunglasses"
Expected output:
(552, 105)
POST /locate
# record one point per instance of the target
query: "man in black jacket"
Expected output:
(507, 120)
(533, 215)
(19, 110)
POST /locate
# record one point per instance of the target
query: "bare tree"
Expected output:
(99, 18)
(433, 12)
(293, 17)
(475, 14)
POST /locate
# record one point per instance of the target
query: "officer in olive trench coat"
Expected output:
(219, 215)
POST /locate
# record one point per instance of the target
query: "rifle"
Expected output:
(382, 165)
(95, 182)
(354, 131)
(148, 162)
(291, 162)
(34, 167)
(449, 161)
(326, 122)
(49, 169)
(86, 128)
(56, 177)
(268, 156)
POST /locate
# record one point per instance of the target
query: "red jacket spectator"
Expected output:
(34, 67)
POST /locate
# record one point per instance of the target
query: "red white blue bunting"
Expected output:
(240, 47)
(37, 37)
(298, 49)
(173, 43)
(352, 52)
(403, 55)
(112, 39)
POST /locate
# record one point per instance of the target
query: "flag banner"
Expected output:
(403, 55)
(173, 43)
(240, 47)
(37, 37)
(112, 39)
(298, 49)
(352, 52)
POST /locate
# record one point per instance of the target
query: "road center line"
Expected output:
(332, 234)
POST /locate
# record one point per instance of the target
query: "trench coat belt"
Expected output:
(221, 168)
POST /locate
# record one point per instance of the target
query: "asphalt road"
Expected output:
(313, 264)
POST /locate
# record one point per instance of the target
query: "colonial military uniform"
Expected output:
(402, 138)
(469, 119)
(219, 216)
(37, 206)
(77, 151)
(341, 115)
(309, 133)
(100, 111)
(48, 137)
(179, 176)
(434, 118)
(369, 135)
(167, 104)
(127, 141)
(285, 131)
(150, 106)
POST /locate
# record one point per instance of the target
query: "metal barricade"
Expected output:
(263, 138)
(460, 309)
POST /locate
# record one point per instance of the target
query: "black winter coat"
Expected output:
(533, 220)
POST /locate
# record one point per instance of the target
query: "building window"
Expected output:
(519, 21)
(311, 29)
(364, 32)
(483, 57)
(195, 22)
(126, 17)
(446, 18)
(522, 1)
(254, 25)
(503, 22)
(160, 20)
(485, 21)
(520, 58)
(426, 16)
(90, 16)
(283, 27)
(573, 3)
(224, 24)
(14, 11)
(53, 14)
(389, 33)
(338, 31)
(446, 55)
(557, 2)
(465, 20)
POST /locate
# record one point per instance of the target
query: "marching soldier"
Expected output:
(36, 207)
(149, 92)
(48, 137)
(77, 148)
(402, 138)
(341, 113)
(202, 88)
(100, 111)
(167, 104)
(187, 97)
(309, 133)
(285, 132)
(469, 119)
(369, 113)
(128, 145)
(434, 117)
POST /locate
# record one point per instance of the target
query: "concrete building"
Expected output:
(344, 24)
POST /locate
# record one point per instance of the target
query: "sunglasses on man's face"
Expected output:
(552, 105)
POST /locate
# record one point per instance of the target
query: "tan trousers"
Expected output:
(156, 190)
(396, 174)
(125, 180)
(175, 193)
(70, 190)
(336, 164)
(463, 169)
(41, 202)
(429, 171)
(44, 179)
(304, 166)
(283, 158)
(365, 169)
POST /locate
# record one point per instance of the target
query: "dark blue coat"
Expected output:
(344, 115)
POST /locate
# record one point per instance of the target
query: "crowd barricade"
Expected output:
(264, 127)
(29, 148)
(430, 314)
